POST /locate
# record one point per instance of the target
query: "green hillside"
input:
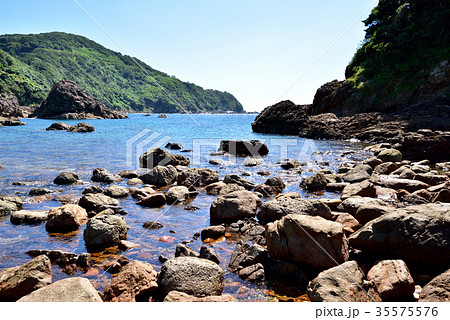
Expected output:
(31, 64)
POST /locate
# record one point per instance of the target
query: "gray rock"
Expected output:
(317, 181)
(289, 164)
(352, 204)
(67, 290)
(357, 174)
(160, 176)
(253, 148)
(406, 184)
(208, 253)
(19, 281)
(117, 192)
(152, 225)
(229, 188)
(177, 194)
(390, 155)
(245, 255)
(363, 189)
(386, 168)
(235, 179)
(9, 204)
(66, 178)
(160, 157)
(28, 217)
(39, 192)
(97, 202)
(419, 234)
(373, 162)
(104, 176)
(233, 206)
(182, 250)
(82, 127)
(197, 177)
(343, 283)
(58, 126)
(251, 162)
(214, 188)
(92, 189)
(280, 207)
(194, 276)
(104, 231)
(305, 239)
(254, 273)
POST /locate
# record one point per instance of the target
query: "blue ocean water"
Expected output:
(31, 155)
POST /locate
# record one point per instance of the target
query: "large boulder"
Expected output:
(280, 207)
(197, 177)
(9, 204)
(97, 202)
(253, 148)
(66, 178)
(437, 290)
(342, 283)
(304, 239)
(419, 234)
(66, 218)
(235, 179)
(160, 157)
(191, 275)
(233, 206)
(28, 217)
(137, 281)
(19, 281)
(67, 100)
(160, 176)
(104, 231)
(67, 290)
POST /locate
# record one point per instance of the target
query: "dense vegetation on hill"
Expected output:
(405, 39)
(31, 64)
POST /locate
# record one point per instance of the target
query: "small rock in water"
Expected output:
(39, 192)
(152, 225)
(66, 178)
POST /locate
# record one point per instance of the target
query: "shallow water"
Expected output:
(34, 156)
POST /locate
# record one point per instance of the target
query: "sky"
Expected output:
(260, 51)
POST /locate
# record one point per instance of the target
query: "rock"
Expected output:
(208, 253)
(197, 177)
(235, 179)
(28, 217)
(357, 174)
(182, 250)
(437, 290)
(349, 222)
(408, 185)
(160, 157)
(153, 201)
(275, 185)
(252, 162)
(245, 255)
(431, 179)
(160, 176)
(19, 281)
(305, 239)
(352, 204)
(137, 281)
(369, 212)
(390, 155)
(82, 127)
(253, 148)
(278, 208)
(57, 126)
(9, 204)
(175, 296)
(92, 189)
(214, 188)
(66, 178)
(233, 206)
(9, 107)
(343, 283)
(363, 189)
(13, 122)
(315, 182)
(216, 162)
(116, 192)
(254, 273)
(141, 193)
(385, 168)
(152, 225)
(418, 234)
(373, 162)
(213, 232)
(97, 202)
(128, 174)
(194, 276)
(405, 174)
(59, 257)
(104, 231)
(177, 194)
(134, 182)
(66, 218)
(414, 199)
(174, 146)
(229, 188)
(442, 196)
(84, 261)
(336, 187)
(162, 116)
(392, 280)
(288, 164)
(39, 192)
(67, 290)
(67, 100)
(104, 176)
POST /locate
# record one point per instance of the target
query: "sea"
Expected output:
(33, 157)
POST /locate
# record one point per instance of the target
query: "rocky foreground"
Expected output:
(385, 239)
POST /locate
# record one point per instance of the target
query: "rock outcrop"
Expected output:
(67, 100)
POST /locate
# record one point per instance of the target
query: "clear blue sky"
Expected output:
(254, 49)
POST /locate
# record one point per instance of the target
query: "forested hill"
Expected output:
(31, 64)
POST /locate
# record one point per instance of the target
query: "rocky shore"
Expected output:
(384, 237)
